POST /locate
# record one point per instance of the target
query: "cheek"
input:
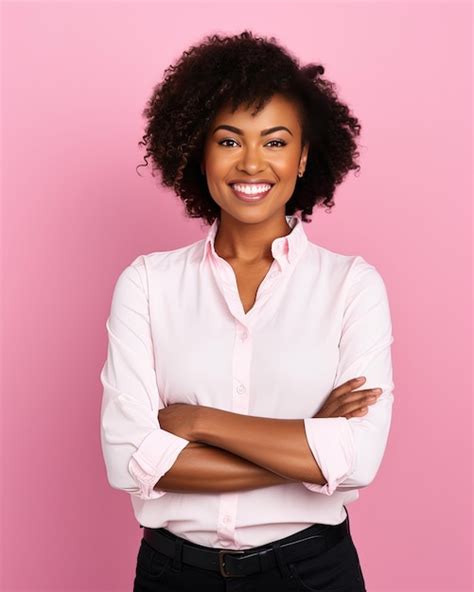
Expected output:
(217, 165)
(286, 165)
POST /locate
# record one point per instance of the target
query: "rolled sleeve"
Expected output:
(349, 451)
(137, 451)
(332, 444)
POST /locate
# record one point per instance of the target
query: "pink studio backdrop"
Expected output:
(75, 80)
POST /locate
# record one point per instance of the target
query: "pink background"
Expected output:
(75, 80)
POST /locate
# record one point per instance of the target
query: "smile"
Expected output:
(251, 192)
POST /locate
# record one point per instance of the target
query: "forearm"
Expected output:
(277, 445)
(203, 468)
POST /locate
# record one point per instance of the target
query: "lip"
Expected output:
(248, 198)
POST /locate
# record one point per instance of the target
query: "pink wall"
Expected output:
(76, 77)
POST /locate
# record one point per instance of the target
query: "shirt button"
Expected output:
(227, 519)
(241, 389)
(244, 335)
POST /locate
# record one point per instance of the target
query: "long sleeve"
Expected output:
(349, 451)
(136, 451)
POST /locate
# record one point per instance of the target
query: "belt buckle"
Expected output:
(223, 552)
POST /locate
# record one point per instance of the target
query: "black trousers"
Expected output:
(334, 568)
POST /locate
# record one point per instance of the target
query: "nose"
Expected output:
(251, 161)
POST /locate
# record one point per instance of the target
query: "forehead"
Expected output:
(279, 110)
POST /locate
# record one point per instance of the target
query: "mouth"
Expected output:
(257, 194)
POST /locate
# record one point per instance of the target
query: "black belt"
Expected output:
(235, 563)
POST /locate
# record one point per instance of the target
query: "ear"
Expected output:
(304, 156)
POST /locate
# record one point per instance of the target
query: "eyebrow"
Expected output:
(265, 132)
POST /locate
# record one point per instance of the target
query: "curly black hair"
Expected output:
(245, 70)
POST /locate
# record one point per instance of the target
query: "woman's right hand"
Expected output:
(344, 401)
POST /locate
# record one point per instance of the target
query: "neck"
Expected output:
(248, 243)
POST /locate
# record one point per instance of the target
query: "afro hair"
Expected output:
(245, 70)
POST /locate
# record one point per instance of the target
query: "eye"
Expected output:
(281, 142)
(221, 143)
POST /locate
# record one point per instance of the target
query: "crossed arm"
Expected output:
(229, 451)
(223, 455)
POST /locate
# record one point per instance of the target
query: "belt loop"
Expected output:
(285, 572)
(178, 550)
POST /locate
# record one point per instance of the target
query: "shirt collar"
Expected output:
(285, 249)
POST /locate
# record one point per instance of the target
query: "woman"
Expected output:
(230, 412)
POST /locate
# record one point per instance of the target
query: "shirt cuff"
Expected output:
(143, 465)
(332, 444)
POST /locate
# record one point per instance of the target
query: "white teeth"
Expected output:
(251, 189)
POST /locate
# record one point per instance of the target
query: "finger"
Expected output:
(360, 403)
(357, 412)
(348, 386)
(366, 394)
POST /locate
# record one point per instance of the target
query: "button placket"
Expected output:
(241, 367)
(241, 357)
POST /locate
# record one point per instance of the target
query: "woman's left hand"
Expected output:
(179, 419)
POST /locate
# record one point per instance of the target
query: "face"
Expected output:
(241, 148)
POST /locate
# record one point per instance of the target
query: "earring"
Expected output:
(300, 173)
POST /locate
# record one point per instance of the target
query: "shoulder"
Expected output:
(336, 262)
(348, 271)
(147, 265)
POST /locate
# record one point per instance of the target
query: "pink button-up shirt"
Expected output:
(178, 333)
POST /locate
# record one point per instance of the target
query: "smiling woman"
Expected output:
(228, 413)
